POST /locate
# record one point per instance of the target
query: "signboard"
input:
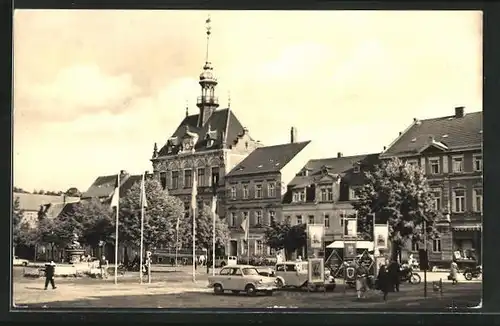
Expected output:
(351, 228)
(381, 235)
(315, 234)
(350, 272)
(349, 249)
(316, 270)
(366, 260)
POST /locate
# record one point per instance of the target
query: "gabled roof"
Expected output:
(33, 202)
(335, 166)
(446, 133)
(268, 159)
(223, 128)
(104, 186)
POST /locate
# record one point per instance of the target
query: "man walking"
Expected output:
(49, 275)
(394, 270)
(103, 266)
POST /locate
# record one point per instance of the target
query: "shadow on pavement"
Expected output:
(458, 300)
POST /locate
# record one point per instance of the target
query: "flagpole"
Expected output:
(214, 202)
(116, 230)
(193, 210)
(248, 240)
(176, 242)
(142, 227)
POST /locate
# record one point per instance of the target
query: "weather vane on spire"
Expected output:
(229, 99)
(208, 27)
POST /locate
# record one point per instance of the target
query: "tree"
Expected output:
(281, 235)
(92, 221)
(73, 192)
(398, 193)
(19, 190)
(159, 217)
(48, 232)
(204, 230)
(17, 216)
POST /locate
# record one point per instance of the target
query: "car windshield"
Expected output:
(250, 271)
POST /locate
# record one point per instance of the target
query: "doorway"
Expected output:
(233, 248)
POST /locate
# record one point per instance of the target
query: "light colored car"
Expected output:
(16, 261)
(295, 274)
(238, 278)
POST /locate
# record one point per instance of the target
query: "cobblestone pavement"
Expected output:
(186, 294)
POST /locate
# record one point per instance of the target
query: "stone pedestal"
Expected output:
(74, 256)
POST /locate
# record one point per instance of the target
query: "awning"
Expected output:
(467, 227)
(359, 244)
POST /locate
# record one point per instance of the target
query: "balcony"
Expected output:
(208, 99)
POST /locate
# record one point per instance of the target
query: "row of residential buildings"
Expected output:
(286, 182)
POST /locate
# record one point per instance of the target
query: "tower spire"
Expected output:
(228, 99)
(208, 28)
(187, 108)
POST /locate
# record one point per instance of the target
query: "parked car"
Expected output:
(295, 274)
(16, 261)
(239, 278)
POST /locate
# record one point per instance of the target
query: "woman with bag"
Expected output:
(453, 272)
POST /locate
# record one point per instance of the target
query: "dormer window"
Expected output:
(299, 196)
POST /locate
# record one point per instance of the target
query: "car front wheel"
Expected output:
(218, 289)
(250, 290)
(25, 263)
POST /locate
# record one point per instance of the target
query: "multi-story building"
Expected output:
(323, 190)
(255, 188)
(449, 149)
(208, 144)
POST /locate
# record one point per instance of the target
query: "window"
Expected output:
(258, 191)
(436, 245)
(291, 268)
(478, 163)
(327, 221)
(288, 219)
(412, 162)
(226, 271)
(188, 180)
(272, 217)
(163, 180)
(233, 192)
(271, 190)
(311, 219)
(478, 200)
(356, 168)
(299, 219)
(175, 179)
(260, 247)
(415, 246)
(434, 166)
(299, 196)
(437, 198)
(200, 177)
(327, 194)
(245, 216)
(245, 191)
(215, 171)
(233, 218)
(352, 194)
(459, 201)
(458, 164)
(237, 272)
(258, 217)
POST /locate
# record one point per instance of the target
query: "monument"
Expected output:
(74, 251)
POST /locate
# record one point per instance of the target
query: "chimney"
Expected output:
(400, 133)
(459, 112)
(339, 154)
(293, 135)
(64, 199)
(385, 148)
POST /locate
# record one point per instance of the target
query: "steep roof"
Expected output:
(268, 159)
(223, 125)
(343, 166)
(33, 202)
(104, 186)
(451, 131)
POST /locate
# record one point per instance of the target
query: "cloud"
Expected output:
(76, 91)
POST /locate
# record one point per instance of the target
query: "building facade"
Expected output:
(449, 150)
(255, 189)
(207, 144)
(322, 193)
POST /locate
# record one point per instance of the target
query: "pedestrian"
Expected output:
(383, 281)
(361, 274)
(103, 266)
(299, 258)
(394, 270)
(172, 261)
(49, 275)
(453, 272)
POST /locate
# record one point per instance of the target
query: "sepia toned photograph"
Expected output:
(219, 159)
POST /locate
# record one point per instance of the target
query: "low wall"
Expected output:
(60, 271)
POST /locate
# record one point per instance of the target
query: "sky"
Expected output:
(95, 89)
